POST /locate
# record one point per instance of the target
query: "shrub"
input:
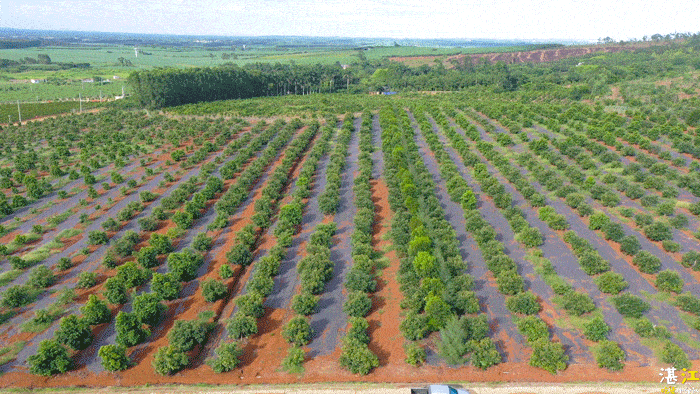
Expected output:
(591, 263)
(227, 357)
(360, 280)
(596, 329)
(130, 331)
(629, 245)
(358, 304)
(184, 265)
(647, 262)
(201, 242)
(453, 341)
(610, 356)
(510, 283)
(161, 243)
(691, 259)
(87, 280)
(115, 291)
(525, 303)
(415, 354)
(239, 255)
(533, 328)
(97, 237)
(132, 275)
(658, 231)
(578, 303)
(183, 219)
(613, 231)
(169, 360)
(147, 257)
(484, 353)
(531, 237)
(611, 283)
(213, 290)
(670, 281)
(74, 332)
(51, 358)
(95, 311)
(414, 326)
(305, 303)
(294, 359)
(674, 355)
(549, 356)
(630, 305)
(110, 224)
(114, 358)
(186, 334)
(357, 358)
(166, 285)
(19, 263)
(688, 302)
(642, 220)
(679, 221)
(670, 246)
(297, 331)
(64, 263)
(148, 308)
(241, 326)
(358, 330)
(17, 296)
(598, 220)
(126, 245)
(41, 277)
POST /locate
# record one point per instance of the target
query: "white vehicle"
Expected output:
(439, 389)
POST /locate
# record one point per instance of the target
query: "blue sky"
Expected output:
(527, 19)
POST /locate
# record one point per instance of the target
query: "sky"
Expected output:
(516, 19)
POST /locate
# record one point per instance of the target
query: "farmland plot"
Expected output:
(417, 239)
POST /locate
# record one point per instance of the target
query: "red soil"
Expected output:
(384, 318)
(536, 56)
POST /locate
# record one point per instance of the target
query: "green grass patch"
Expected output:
(67, 233)
(8, 353)
(55, 220)
(8, 276)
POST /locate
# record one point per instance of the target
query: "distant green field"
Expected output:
(33, 110)
(105, 64)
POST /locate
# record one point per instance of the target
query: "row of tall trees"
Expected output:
(169, 87)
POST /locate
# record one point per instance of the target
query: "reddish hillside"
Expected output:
(534, 56)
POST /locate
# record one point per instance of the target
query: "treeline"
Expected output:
(169, 87)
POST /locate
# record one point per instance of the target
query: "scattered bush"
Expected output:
(578, 303)
(51, 358)
(186, 334)
(305, 304)
(630, 305)
(87, 280)
(149, 309)
(358, 304)
(549, 356)
(130, 331)
(596, 329)
(674, 355)
(297, 331)
(114, 358)
(241, 326)
(74, 332)
(611, 283)
(610, 356)
(169, 360)
(213, 290)
(95, 311)
(647, 262)
(525, 303)
(670, 281)
(227, 357)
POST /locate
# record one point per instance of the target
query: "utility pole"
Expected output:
(19, 114)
